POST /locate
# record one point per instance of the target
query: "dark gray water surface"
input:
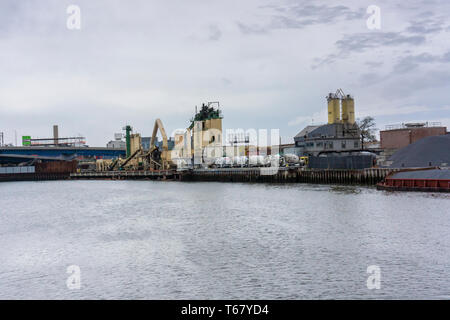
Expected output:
(174, 240)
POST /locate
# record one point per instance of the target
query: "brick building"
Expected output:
(396, 137)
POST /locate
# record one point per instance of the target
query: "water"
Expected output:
(174, 240)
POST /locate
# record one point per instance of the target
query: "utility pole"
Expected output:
(2, 139)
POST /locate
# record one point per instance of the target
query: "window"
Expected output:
(343, 144)
(356, 144)
(319, 144)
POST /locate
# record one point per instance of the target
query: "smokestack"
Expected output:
(55, 135)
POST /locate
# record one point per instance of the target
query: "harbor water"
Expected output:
(211, 240)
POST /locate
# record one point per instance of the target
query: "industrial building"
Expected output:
(117, 143)
(399, 136)
(336, 144)
(340, 134)
(202, 141)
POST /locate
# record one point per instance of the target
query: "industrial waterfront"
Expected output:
(210, 240)
(409, 157)
(224, 160)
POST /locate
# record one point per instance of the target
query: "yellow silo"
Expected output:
(333, 109)
(348, 109)
(344, 111)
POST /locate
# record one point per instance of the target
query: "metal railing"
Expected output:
(408, 125)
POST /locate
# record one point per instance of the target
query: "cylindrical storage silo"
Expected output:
(344, 111)
(333, 109)
(350, 108)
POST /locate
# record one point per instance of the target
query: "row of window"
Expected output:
(328, 144)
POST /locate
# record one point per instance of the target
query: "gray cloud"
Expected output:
(307, 14)
(251, 29)
(412, 62)
(214, 33)
(360, 42)
(374, 64)
(371, 78)
(301, 15)
(407, 85)
(425, 27)
(426, 23)
(369, 40)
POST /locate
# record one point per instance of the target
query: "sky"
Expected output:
(270, 64)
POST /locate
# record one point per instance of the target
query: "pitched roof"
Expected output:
(306, 130)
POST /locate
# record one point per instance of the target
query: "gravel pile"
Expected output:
(429, 151)
(423, 174)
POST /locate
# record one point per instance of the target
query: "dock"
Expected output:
(283, 174)
(370, 176)
(127, 175)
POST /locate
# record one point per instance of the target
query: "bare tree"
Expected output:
(367, 130)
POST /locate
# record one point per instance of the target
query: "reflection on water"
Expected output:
(346, 189)
(173, 240)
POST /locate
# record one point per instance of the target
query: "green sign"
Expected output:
(26, 141)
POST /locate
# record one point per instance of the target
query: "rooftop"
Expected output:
(410, 125)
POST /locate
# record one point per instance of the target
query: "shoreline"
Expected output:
(261, 175)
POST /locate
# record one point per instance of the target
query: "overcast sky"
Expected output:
(269, 63)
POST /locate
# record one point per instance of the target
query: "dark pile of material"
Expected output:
(429, 151)
(423, 174)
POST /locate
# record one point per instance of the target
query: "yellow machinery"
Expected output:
(154, 159)
(156, 156)
(304, 161)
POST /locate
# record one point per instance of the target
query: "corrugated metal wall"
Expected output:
(45, 167)
(57, 167)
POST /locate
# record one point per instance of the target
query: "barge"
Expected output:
(430, 180)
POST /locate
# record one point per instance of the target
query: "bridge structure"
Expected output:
(23, 154)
